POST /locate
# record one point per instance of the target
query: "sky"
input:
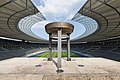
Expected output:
(58, 11)
(39, 29)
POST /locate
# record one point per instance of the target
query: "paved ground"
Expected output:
(77, 69)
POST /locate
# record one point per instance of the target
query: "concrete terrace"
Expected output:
(77, 69)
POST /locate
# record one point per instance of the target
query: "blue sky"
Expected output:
(58, 10)
(39, 29)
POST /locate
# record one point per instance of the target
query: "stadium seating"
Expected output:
(108, 48)
(10, 48)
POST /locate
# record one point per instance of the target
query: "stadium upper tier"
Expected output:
(27, 24)
(105, 12)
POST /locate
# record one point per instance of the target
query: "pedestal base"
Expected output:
(59, 71)
(68, 59)
(49, 59)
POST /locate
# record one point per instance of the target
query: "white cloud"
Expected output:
(60, 10)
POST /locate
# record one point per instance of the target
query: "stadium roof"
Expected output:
(105, 12)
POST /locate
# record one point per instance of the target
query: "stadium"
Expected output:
(59, 40)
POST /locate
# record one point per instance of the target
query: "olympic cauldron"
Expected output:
(62, 31)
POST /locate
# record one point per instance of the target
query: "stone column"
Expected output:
(59, 48)
(50, 48)
(68, 48)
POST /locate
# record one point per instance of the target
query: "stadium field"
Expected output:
(54, 54)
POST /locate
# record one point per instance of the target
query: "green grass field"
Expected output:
(54, 54)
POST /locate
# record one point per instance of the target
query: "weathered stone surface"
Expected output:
(92, 69)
